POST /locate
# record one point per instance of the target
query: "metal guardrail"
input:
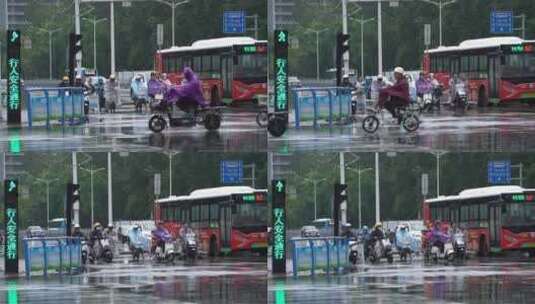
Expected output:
(329, 254)
(329, 104)
(63, 254)
(61, 104)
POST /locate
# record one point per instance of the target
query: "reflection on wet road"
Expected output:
(119, 132)
(477, 130)
(474, 281)
(202, 281)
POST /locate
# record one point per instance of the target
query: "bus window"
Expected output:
(216, 66)
(474, 64)
(195, 214)
(251, 66)
(483, 212)
(205, 213)
(206, 64)
(464, 213)
(250, 215)
(465, 64)
(214, 212)
(185, 215)
(197, 64)
(482, 63)
(178, 65)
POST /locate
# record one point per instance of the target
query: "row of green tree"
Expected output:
(403, 30)
(399, 181)
(132, 181)
(135, 31)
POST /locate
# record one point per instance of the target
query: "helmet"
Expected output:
(65, 78)
(379, 77)
(78, 77)
(399, 70)
(136, 226)
(76, 226)
(347, 225)
(112, 76)
(346, 76)
(110, 226)
(97, 224)
(378, 225)
(364, 227)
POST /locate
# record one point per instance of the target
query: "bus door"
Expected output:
(225, 224)
(495, 224)
(494, 75)
(226, 74)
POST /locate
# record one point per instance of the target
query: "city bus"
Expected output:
(496, 218)
(225, 219)
(231, 68)
(497, 69)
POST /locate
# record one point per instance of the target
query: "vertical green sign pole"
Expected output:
(281, 71)
(11, 225)
(14, 70)
(278, 213)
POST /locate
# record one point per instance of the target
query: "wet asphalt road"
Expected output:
(475, 281)
(494, 129)
(129, 132)
(216, 281)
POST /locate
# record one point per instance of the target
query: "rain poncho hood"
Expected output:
(162, 234)
(403, 238)
(191, 90)
(156, 87)
(137, 239)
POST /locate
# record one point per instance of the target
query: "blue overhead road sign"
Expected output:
(231, 171)
(499, 172)
(501, 22)
(234, 22)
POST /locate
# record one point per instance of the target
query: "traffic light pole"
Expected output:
(77, 32)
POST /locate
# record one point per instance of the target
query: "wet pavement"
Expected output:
(228, 280)
(496, 129)
(493, 280)
(129, 132)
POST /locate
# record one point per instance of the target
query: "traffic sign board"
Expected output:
(233, 22)
(499, 172)
(231, 171)
(501, 22)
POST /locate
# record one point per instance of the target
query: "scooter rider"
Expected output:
(77, 232)
(156, 234)
(395, 96)
(189, 94)
(423, 85)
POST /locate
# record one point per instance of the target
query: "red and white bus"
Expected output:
(225, 219)
(496, 218)
(498, 69)
(232, 68)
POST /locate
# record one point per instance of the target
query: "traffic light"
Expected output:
(342, 46)
(75, 47)
(340, 196)
(73, 199)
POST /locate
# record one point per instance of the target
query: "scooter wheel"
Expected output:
(262, 119)
(157, 124)
(277, 125)
(411, 123)
(370, 124)
(212, 121)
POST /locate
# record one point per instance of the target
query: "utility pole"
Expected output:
(379, 39)
(76, 207)
(438, 155)
(343, 205)
(77, 32)
(170, 155)
(50, 32)
(255, 25)
(377, 193)
(110, 197)
(346, 54)
(173, 5)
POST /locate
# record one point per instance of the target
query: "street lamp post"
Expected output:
(315, 183)
(94, 21)
(47, 182)
(317, 51)
(173, 4)
(438, 155)
(362, 22)
(50, 32)
(170, 155)
(360, 171)
(440, 4)
(91, 173)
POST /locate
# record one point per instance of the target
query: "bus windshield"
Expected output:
(519, 65)
(251, 66)
(519, 214)
(248, 214)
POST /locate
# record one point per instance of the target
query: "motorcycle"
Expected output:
(189, 246)
(189, 114)
(86, 253)
(353, 252)
(381, 249)
(106, 252)
(447, 254)
(165, 248)
(461, 96)
(459, 245)
(404, 245)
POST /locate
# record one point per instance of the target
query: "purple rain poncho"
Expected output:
(191, 90)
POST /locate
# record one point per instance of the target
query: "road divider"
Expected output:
(321, 105)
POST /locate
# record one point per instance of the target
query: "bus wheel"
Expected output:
(483, 250)
(482, 98)
(212, 250)
(215, 100)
